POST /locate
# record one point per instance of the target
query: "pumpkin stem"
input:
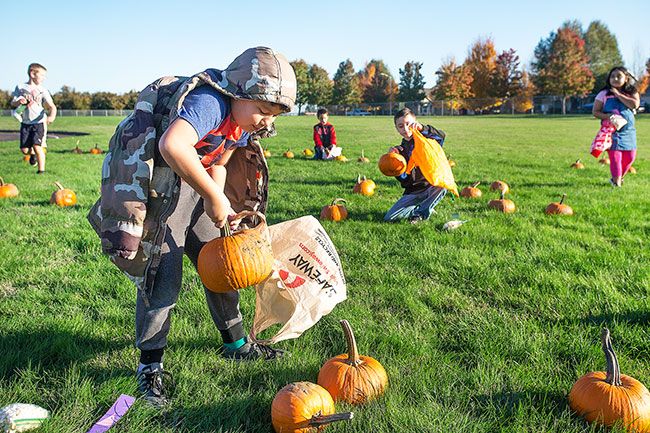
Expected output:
(338, 200)
(58, 185)
(613, 369)
(563, 197)
(353, 352)
(475, 184)
(362, 154)
(320, 420)
(359, 178)
(503, 195)
(578, 161)
(2, 182)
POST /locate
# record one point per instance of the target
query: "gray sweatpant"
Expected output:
(188, 229)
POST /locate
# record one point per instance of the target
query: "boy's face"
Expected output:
(323, 118)
(37, 76)
(402, 125)
(252, 116)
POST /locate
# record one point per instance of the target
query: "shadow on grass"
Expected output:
(507, 404)
(52, 348)
(629, 317)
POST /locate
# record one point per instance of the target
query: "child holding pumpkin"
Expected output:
(420, 197)
(193, 159)
(619, 97)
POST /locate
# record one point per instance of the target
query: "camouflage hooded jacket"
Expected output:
(139, 190)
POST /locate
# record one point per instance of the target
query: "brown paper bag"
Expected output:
(306, 283)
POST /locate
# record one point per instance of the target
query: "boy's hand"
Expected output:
(218, 209)
(416, 125)
(22, 100)
(50, 119)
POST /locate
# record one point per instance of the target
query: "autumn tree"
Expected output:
(453, 84)
(411, 82)
(506, 77)
(480, 64)
(377, 83)
(301, 68)
(319, 86)
(69, 99)
(106, 101)
(346, 85)
(644, 81)
(603, 52)
(524, 99)
(566, 72)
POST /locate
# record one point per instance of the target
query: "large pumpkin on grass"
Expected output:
(364, 186)
(8, 190)
(471, 191)
(237, 260)
(335, 211)
(610, 397)
(392, 164)
(63, 197)
(304, 407)
(560, 208)
(352, 377)
(503, 204)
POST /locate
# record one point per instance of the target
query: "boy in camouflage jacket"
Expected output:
(178, 169)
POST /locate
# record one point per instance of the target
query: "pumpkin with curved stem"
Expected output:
(560, 208)
(363, 158)
(237, 260)
(8, 190)
(308, 152)
(288, 154)
(63, 197)
(96, 150)
(503, 204)
(604, 160)
(77, 150)
(392, 164)
(471, 191)
(304, 407)
(335, 211)
(611, 397)
(578, 165)
(499, 185)
(352, 377)
(364, 186)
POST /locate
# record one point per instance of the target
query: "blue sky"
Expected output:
(118, 45)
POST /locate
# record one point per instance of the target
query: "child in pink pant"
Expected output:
(620, 162)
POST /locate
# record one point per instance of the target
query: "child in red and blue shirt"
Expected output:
(324, 135)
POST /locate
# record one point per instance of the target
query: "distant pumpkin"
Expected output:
(308, 152)
(96, 150)
(578, 165)
(288, 154)
(364, 186)
(363, 158)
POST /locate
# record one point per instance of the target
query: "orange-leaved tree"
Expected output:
(481, 63)
(453, 85)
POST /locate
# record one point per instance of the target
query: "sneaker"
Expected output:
(416, 219)
(40, 172)
(253, 351)
(150, 384)
(32, 159)
(612, 183)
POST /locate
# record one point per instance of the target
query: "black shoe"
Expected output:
(32, 159)
(416, 219)
(40, 172)
(150, 384)
(253, 351)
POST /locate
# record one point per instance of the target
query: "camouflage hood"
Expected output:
(260, 74)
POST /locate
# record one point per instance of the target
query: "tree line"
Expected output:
(569, 62)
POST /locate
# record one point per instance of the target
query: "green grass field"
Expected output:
(483, 329)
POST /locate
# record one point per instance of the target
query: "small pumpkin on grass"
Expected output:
(503, 204)
(352, 377)
(63, 197)
(631, 170)
(26, 158)
(578, 165)
(363, 158)
(364, 186)
(392, 164)
(308, 152)
(604, 160)
(304, 407)
(452, 163)
(236, 260)
(471, 191)
(341, 158)
(611, 397)
(560, 208)
(267, 152)
(96, 150)
(335, 211)
(77, 150)
(499, 185)
(8, 190)
(288, 154)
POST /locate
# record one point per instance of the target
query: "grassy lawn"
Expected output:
(482, 329)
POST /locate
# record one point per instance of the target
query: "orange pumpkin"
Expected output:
(364, 186)
(611, 397)
(452, 163)
(267, 153)
(8, 190)
(499, 185)
(471, 191)
(96, 150)
(578, 165)
(392, 164)
(288, 154)
(308, 152)
(631, 170)
(341, 158)
(238, 260)
(335, 211)
(352, 377)
(63, 197)
(362, 158)
(604, 160)
(304, 407)
(559, 208)
(25, 158)
(502, 205)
